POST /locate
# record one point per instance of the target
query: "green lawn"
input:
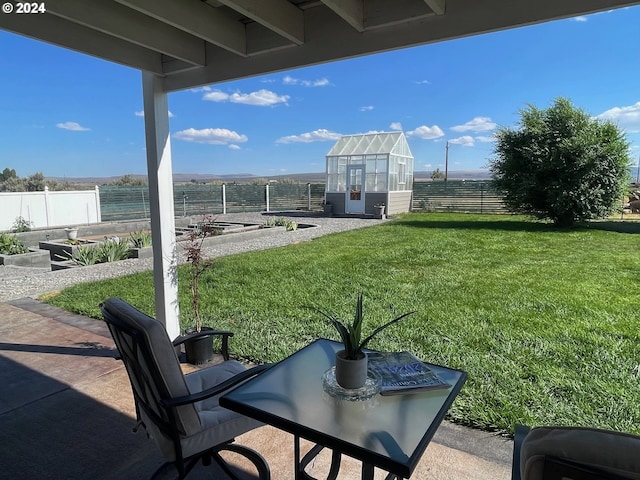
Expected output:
(545, 321)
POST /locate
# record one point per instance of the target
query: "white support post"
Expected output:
(308, 196)
(161, 207)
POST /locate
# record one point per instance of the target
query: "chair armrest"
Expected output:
(205, 333)
(218, 389)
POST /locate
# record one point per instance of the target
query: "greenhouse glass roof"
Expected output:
(371, 143)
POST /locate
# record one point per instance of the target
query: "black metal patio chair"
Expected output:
(574, 453)
(180, 412)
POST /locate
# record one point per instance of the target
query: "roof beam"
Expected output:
(281, 16)
(438, 6)
(63, 33)
(382, 13)
(121, 22)
(330, 38)
(198, 19)
(351, 11)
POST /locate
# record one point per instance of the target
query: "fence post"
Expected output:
(481, 197)
(46, 205)
(224, 198)
(266, 190)
(98, 210)
(308, 196)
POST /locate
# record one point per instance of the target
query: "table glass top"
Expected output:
(390, 430)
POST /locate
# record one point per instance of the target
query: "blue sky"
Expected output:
(67, 114)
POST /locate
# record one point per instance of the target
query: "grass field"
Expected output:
(545, 321)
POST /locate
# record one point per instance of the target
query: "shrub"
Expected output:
(140, 239)
(113, 250)
(281, 222)
(11, 245)
(109, 251)
(21, 225)
(561, 164)
(85, 255)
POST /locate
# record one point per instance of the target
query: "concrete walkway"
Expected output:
(66, 412)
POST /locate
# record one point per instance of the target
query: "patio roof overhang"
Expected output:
(188, 43)
(198, 42)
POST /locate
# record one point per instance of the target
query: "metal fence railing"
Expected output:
(457, 196)
(126, 203)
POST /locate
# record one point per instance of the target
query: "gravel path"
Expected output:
(16, 282)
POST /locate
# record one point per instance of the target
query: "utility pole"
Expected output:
(446, 162)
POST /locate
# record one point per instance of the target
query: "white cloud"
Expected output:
(465, 141)
(233, 146)
(396, 126)
(321, 82)
(200, 89)
(478, 124)
(321, 135)
(427, 133)
(261, 98)
(367, 108)
(216, 96)
(627, 118)
(581, 18)
(423, 82)
(213, 136)
(141, 114)
(73, 126)
(485, 139)
(427, 166)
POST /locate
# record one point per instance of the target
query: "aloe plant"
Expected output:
(351, 333)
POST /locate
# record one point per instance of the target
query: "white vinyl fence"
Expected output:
(50, 209)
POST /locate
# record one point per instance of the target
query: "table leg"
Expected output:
(367, 471)
(301, 464)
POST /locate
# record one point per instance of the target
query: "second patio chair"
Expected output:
(180, 412)
(574, 453)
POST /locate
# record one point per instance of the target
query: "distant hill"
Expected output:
(312, 177)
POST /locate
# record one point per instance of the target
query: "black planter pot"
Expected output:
(199, 350)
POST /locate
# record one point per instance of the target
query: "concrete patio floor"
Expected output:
(66, 412)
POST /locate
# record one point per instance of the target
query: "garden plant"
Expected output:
(561, 164)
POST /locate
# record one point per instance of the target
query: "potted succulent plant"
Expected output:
(351, 362)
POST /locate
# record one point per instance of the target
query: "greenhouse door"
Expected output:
(355, 190)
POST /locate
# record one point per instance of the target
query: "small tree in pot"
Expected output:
(351, 363)
(199, 349)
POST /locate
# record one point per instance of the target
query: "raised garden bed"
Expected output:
(60, 250)
(35, 258)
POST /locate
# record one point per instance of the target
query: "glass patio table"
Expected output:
(388, 432)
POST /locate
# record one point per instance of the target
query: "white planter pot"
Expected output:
(72, 233)
(350, 373)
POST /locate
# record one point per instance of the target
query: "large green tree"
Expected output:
(561, 164)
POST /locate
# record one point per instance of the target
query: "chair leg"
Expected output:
(162, 472)
(520, 432)
(254, 457)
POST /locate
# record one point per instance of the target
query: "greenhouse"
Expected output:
(365, 171)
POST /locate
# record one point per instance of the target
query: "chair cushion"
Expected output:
(164, 355)
(227, 423)
(613, 452)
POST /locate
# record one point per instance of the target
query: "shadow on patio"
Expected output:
(66, 412)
